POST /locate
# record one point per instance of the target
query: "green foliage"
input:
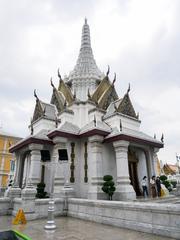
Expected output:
(40, 190)
(174, 183)
(108, 186)
(107, 178)
(163, 178)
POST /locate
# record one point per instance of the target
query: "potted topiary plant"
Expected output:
(40, 190)
(108, 186)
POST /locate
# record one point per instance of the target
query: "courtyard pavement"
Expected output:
(74, 229)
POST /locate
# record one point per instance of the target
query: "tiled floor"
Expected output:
(75, 229)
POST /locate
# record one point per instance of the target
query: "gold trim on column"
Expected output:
(85, 163)
(72, 167)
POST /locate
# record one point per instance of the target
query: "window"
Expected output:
(45, 155)
(63, 156)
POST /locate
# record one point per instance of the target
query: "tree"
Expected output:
(108, 186)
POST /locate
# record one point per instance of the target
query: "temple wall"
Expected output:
(5, 204)
(43, 124)
(161, 219)
(127, 122)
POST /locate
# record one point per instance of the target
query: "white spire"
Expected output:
(85, 70)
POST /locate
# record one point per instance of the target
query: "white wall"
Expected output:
(127, 122)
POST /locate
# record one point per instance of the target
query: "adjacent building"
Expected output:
(7, 160)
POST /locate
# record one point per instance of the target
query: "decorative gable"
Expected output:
(58, 100)
(101, 88)
(66, 91)
(38, 111)
(109, 96)
(125, 107)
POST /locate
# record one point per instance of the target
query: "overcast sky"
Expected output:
(139, 39)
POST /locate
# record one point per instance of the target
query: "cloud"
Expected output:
(139, 39)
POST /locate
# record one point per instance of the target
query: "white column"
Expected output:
(15, 190)
(17, 170)
(95, 168)
(35, 164)
(124, 190)
(58, 166)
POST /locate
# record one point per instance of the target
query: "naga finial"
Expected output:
(114, 78)
(59, 75)
(108, 71)
(162, 138)
(129, 88)
(35, 95)
(52, 83)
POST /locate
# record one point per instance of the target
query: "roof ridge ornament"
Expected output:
(52, 83)
(162, 138)
(154, 136)
(107, 73)
(129, 88)
(59, 75)
(35, 95)
(114, 79)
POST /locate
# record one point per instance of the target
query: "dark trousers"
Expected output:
(145, 191)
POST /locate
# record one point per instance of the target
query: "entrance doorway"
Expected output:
(132, 162)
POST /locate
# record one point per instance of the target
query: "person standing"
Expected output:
(144, 186)
(153, 187)
(158, 186)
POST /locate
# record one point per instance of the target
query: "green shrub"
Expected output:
(163, 178)
(174, 183)
(108, 186)
(40, 190)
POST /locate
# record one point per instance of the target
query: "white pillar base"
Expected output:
(124, 192)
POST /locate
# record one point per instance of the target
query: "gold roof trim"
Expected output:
(65, 90)
(107, 96)
(126, 106)
(101, 88)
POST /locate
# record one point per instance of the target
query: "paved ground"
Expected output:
(75, 229)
